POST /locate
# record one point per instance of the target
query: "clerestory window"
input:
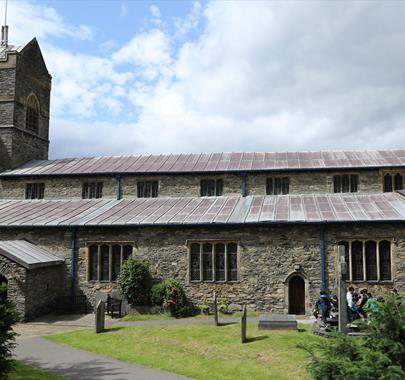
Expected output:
(393, 183)
(148, 189)
(34, 190)
(92, 190)
(211, 187)
(277, 185)
(345, 183)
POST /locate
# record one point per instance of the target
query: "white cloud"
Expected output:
(258, 76)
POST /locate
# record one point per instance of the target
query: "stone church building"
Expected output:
(259, 228)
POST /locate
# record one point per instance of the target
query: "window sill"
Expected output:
(374, 282)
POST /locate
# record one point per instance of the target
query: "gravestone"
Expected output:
(243, 321)
(215, 310)
(342, 276)
(277, 322)
(100, 317)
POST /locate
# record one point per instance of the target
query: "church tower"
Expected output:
(25, 87)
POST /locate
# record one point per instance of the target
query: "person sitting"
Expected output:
(323, 306)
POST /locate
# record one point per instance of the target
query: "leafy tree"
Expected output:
(135, 281)
(378, 355)
(8, 316)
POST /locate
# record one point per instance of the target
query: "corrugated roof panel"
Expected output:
(203, 210)
(212, 162)
(27, 254)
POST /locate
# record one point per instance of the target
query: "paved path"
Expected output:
(76, 364)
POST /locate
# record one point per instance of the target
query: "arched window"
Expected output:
(32, 114)
(398, 182)
(357, 260)
(387, 183)
(385, 260)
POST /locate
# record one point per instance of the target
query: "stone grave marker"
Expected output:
(216, 323)
(243, 320)
(100, 317)
(277, 322)
(342, 276)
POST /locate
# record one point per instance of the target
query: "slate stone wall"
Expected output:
(180, 185)
(268, 256)
(370, 181)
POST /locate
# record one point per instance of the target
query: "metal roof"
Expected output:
(212, 162)
(27, 255)
(314, 208)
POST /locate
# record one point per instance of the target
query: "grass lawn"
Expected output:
(154, 317)
(203, 352)
(26, 372)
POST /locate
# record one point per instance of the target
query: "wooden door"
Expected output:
(296, 296)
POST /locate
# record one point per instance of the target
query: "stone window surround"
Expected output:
(391, 172)
(213, 242)
(109, 244)
(87, 189)
(363, 241)
(216, 187)
(41, 191)
(284, 185)
(138, 182)
(32, 98)
(349, 173)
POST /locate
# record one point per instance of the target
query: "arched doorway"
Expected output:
(296, 295)
(3, 293)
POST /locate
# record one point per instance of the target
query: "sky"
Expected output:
(140, 77)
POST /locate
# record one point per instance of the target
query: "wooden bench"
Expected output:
(72, 305)
(113, 305)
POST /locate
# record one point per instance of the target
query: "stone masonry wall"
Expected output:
(267, 256)
(15, 275)
(42, 287)
(56, 187)
(182, 185)
(315, 182)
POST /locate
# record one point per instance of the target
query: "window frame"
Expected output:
(214, 242)
(277, 185)
(87, 191)
(349, 180)
(392, 180)
(215, 187)
(40, 190)
(377, 242)
(98, 261)
(152, 183)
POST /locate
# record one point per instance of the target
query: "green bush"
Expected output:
(378, 355)
(8, 316)
(170, 295)
(135, 281)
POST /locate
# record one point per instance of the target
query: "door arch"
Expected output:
(296, 295)
(3, 295)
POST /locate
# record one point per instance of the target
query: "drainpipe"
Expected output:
(322, 251)
(244, 184)
(73, 261)
(118, 190)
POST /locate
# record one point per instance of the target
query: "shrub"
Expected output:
(170, 294)
(379, 355)
(135, 281)
(8, 316)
